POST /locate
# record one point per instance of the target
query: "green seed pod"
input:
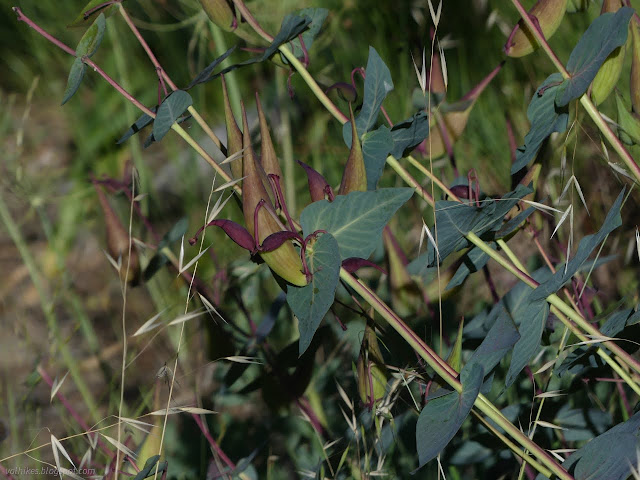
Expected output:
(629, 130)
(609, 73)
(284, 260)
(635, 66)
(370, 369)
(549, 14)
(234, 135)
(219, 12)
(354, 177)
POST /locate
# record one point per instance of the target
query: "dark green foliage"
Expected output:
(292, 26)
(149, 468)
(409, 133)
(355, 220)
(75, 79)
(170, 109)
(604, 35)
(311, 302)
(377, 85)
(317, 17)
(442, 417)
(600, 459)
(375, 148)
(545, 117)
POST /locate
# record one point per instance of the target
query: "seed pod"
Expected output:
(452, 123)
(634, 84)
(219, 12)
(629, 130)
(609, 73)
(118, 242)
(549, 14)
(234, 135)
(354, 177)
(284, 260)
(268, 156)
(371, 371)
(318, 186)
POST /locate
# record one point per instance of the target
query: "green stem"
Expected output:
(47, 306)
(230, 77)
(584, 100)
(449, 374)
(559, 305)
(513, 447)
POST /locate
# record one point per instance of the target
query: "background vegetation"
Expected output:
(61, 301)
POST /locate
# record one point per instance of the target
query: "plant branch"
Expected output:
(194, 113)
(556, 301)
(584, 100)
(449, 375)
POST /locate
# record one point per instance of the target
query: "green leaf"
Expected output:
(531, 317)
(530, 310)
(317, 16)
(311, 302)
(586, 246)
(377, 84)
(472, 261)
(76, 74)
(455, 220)
(355, 220)
(375, 148)
(292, 26)
(581, 423)
(170, 109)
(611, 455)
(138, 125)
(150, 468)
(442, 417)
(80, 20)
(502, 335)
(409, 133)
(204, 75)
(92, 38)
(606, 33)
(545, 117)
(586, 355)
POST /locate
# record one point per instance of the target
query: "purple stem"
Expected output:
(214, 445)
(277, 191)
(305, 61)
(23, 18)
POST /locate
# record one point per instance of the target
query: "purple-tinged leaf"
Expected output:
(234, 231)
(275, 240)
